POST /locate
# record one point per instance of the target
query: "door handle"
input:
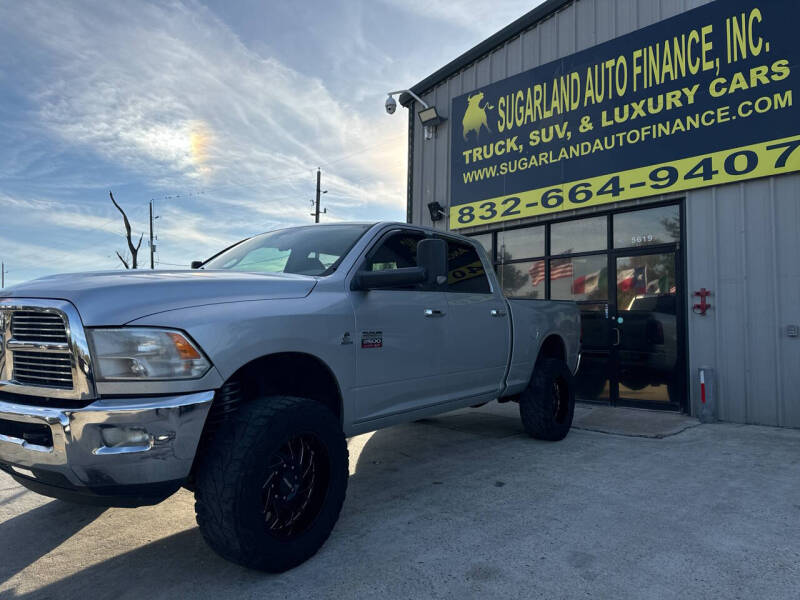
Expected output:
(497, 313)
(434, 312)
(619, 336)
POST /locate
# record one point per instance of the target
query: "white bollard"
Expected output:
(706, 412)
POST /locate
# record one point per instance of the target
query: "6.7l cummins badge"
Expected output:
(372, 339)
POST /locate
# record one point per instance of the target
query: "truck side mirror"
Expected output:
(432, 256)
(196, 264)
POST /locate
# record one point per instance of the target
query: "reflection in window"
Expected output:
(646, 283)
(397, 251)
(583, 278)
(465, 272)
(583, 235)
(484, 240)
(522, 280)
(647, 227)
(264, 259)
(520, 243)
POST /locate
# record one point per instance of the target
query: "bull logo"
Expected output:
(475, 115)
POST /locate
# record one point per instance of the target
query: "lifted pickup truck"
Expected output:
(241, 379)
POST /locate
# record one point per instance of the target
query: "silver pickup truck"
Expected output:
(241, 378)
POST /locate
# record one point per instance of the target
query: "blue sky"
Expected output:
(219, 111)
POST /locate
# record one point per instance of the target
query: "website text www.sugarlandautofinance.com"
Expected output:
(708, 118)
(693, 89)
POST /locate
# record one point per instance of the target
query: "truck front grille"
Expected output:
(43, 369)
(35, 326)
(43, 351)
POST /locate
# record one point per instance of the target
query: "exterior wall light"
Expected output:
(428, 116)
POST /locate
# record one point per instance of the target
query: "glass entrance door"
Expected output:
(645, 323)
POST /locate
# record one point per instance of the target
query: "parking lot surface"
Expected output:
(465, 506)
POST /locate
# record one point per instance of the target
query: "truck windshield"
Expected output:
(312, 250)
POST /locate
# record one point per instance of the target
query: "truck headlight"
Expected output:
(137, 353)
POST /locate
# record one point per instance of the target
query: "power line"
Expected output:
(305, 170)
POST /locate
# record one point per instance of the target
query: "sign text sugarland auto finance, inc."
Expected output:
(701, 99)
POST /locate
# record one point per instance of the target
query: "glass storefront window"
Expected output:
(582, 278)
(647, 227)
(583, 235)
(522, 280)
(485, 240)
(520, 243)
(646, 283)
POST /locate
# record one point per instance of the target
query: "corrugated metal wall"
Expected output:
(743, 240)
(744, 245)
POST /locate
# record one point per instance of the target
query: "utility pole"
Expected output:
(2, 275)
(320, 191)
(152, 246)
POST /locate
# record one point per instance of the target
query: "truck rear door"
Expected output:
(478, 329)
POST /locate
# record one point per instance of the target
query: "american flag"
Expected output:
(561, 269)
(537, 273)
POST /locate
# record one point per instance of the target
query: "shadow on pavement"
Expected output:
(40, 530)
(178, 563)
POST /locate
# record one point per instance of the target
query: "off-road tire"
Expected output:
(233, 469)
(547, 405)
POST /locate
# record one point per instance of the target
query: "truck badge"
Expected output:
(372, 339)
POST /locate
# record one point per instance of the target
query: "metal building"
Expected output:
(702, 276)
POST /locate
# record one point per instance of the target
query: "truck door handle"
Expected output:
(497, 313)
(619, 336)
(434, 312)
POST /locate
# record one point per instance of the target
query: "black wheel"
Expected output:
(270, 486)
(548, 403)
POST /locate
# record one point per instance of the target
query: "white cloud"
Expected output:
(171, 93)
(480, 16)
(167, 98)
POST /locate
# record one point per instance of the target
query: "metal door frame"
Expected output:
(680, 326)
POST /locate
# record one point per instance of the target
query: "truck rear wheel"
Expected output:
(271, 484)
(547, 405)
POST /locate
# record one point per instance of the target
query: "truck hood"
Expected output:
(115, 298)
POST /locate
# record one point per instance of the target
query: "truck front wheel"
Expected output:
(548, 403)
(271, 484)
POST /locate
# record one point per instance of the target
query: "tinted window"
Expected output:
(484, 240)
(520, 243)
(583, 235)
(647, 227)
(397, 251)
(583, 278)
(465, 272)
(522, 280)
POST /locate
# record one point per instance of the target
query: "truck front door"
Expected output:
(399, 336)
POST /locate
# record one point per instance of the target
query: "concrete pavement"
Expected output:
(465, 506)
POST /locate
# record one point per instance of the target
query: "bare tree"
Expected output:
(134, 250)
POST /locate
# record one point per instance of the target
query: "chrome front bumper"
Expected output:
(113, 447)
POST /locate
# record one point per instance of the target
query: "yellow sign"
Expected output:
(746, 162)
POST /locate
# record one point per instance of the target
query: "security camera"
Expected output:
(391, 105)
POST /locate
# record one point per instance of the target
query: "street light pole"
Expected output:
(3, 275)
